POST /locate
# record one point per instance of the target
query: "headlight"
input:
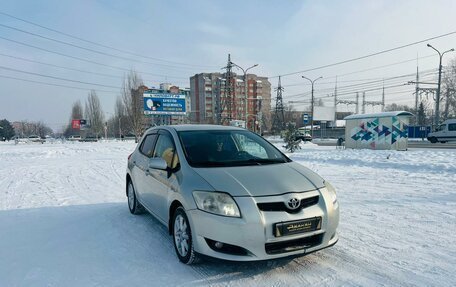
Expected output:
(331, 191)
(217, 203)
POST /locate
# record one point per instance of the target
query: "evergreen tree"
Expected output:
(6, 130)
(291, 137)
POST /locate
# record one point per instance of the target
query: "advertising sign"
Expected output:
(80, 124)
(76, 124)
(163, 103)
(84, 124)
(324, 113)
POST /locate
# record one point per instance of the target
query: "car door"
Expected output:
(451, 132)
(159, 181)
(141, 165)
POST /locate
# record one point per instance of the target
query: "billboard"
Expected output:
(76, 124)
(156, 103)
(80, 124)
(324, 113)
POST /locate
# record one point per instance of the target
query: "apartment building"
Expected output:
(209, 101)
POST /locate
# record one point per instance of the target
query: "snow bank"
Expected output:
(64, 221)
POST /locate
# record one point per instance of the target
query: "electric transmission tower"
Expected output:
(226, 109)
(279, 117)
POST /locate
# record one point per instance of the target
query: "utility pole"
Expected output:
(383, 97)
(437, 98)
(335, 102)
(373, 103)
(312, 103)
(417, 91)
(246, 112)
(120, 130)
(279, 117)
(357, 103)
(348, 102)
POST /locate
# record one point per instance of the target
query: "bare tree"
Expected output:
(396, 107)
(94, 114)
(76, 114)
(25, 129)
(449, 91)
(132, 97)
(122, 121)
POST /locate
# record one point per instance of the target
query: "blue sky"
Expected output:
(280, 36)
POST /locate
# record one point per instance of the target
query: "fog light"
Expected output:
(218, 245)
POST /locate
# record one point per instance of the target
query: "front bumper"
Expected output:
(251, 237)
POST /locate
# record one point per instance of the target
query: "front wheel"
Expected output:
(432, 139)
(182, 237)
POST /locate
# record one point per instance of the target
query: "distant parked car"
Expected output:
(226, 192)
(129, 137)
(74, 138)
(304, 135)
(444, 133)
(89, 139)
(35, 139)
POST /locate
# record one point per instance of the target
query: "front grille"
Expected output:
(281, 206)
(293, 245)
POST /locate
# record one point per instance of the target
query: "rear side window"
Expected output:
(452, 127)
(147, 146)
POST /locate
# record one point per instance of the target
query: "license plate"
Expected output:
(297, 226)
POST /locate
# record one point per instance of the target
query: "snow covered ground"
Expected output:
(64, 222)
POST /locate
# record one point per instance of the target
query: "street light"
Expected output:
(312, 103)
(245, 89)
(437, 100)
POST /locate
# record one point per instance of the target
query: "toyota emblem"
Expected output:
(293, 203)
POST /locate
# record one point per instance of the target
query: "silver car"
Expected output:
(228, 193)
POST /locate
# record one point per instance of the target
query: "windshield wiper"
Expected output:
(265, 160)
(256, 161)
(209, 164)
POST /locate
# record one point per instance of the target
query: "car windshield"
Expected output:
(218, 148)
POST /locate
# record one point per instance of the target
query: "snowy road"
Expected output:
(64, 222)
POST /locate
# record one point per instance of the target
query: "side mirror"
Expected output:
(158, 163)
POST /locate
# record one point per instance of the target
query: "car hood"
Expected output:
(263, 180)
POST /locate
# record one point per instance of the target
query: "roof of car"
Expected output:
(194, 127)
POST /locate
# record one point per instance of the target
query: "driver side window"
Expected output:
(166, 150)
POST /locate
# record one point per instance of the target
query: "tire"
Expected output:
(133, 204)
(182, 238)
(432, 139)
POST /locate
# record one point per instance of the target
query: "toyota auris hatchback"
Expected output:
(226, 192)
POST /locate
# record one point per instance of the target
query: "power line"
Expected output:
(85, 60)
(360, 71)
(90, 50)
(52, 84)
(307, 101)
(367, 56)
(100, 45)
(57, 78)
(366, 85)
(67, 68)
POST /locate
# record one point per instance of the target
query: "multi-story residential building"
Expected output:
(209, 100)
